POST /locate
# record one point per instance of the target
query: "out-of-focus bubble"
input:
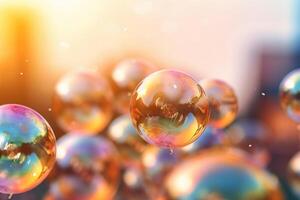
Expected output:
(83, 102)
(133, 183)
(210, 137)
(290, 95)
(250, 136)
(294, 173)
(169, 109)
(126, 76)
(222, 100)
(221, 174)
(27, 149)
(157, 164)
(71, 187)
(122, 132)
(133, 176)
(90, 166)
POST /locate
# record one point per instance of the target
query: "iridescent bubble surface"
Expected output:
(91, 165)
(223, 102)
(290, 95)
(27, 149)
(83, 102)
(221, 174)
(126, 76)
(169, 109)
(123, 132)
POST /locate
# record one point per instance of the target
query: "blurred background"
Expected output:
(250, 44)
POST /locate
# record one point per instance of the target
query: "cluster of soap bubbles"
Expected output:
(136, 133)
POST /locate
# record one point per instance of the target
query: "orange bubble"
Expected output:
(222, 100)
(169, 109)
(83, 102)
(126, 76)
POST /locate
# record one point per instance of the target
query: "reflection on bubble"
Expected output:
(223, 102)
(169, 109)
(221, 174)
(27, 149)
(122, 132)
(126, 76)
(91, 168)
(290, 93)
(82, 102)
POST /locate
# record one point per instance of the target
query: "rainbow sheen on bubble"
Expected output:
(169, 109)
(221, 174)
(90, 168)
(125, 77)
(27, 149)
(222, 100)
(290, 95)
(82, 102)
(123, 133)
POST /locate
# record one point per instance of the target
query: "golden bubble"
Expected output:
(125, 77)
(222, 100)
(82, 102)
(169, 109)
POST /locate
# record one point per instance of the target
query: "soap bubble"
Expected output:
(169, 109)
(290, 95)
(89, 167)
(27, 149)
(83, 102)
(125, 77)
(222, 100)
(221, 174)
